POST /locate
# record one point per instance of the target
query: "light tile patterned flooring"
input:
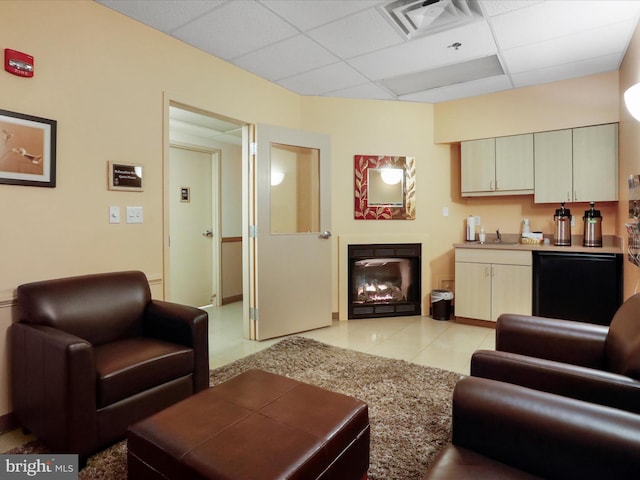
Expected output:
(421, 340)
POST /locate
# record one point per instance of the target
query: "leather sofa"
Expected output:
(92, 355)
(504, 431)
(590, 362)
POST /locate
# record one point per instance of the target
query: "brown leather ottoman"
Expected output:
(257, 425)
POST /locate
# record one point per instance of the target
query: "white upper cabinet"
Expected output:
(595, 163)
(497, 166)
(514, 164)
(577, 165)
(478, 165)
(553, 166)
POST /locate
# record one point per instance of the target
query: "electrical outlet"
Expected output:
(445, 211)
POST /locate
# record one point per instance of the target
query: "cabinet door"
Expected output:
(510, 290)
(478, 165)
(553, 166)
(514, 163)
(473, 290)
(595, 163)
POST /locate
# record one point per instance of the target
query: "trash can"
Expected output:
(441, 304)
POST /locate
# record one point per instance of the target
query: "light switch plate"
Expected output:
(114, 214)
(134, 215)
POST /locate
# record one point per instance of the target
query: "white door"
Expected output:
(192, 233)
(289, 225)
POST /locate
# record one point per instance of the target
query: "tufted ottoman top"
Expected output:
(257, 425)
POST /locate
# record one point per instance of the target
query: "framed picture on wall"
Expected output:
(27, 150)
(125, 176)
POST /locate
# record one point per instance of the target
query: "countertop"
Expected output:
(610, 244)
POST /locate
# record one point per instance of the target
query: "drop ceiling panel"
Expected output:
(428, 52)
(361, 33)
(290, 57)
(571, 48)
(453, 92)
(235, 29)
(566, 71)
(553, 20)
(326, 79)
(309, 14)
(368, 90)
(165, 15)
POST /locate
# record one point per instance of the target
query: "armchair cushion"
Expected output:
(622, 347)
(550, 436)
(554, 339)
(99, 308)
(574, 381)
(132, 365)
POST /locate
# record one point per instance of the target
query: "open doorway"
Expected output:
(203, 208)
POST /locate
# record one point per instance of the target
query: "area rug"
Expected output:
(409, 404)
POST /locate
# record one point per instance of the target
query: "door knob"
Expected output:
(326, 234)
(207, 233)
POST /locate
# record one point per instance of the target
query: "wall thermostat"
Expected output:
(18, 63)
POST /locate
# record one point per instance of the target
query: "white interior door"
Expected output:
(289, 228)
(192, 235)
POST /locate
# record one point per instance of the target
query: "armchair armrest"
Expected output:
(185, 325)
(54, 383)
(547, 435)
(564, 341)
(587, 384)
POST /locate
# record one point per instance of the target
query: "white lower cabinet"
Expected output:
(491, 282)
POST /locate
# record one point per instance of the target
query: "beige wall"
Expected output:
(553, 106)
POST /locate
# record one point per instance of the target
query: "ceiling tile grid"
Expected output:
(352, 49)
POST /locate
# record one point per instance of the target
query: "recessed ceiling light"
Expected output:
(443, 76)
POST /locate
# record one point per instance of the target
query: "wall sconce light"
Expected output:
(391, 176)
(276, 177)
(632, 100)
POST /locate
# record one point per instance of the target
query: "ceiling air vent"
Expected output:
(415, 18)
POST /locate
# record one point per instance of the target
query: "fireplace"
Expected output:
(384, 280)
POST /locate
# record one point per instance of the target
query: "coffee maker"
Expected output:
(562, 220)
(592, 227)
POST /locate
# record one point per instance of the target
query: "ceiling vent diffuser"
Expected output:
(415, 18)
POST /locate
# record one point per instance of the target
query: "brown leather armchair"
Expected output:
(581, 360)
(505, 431)
(94, 354)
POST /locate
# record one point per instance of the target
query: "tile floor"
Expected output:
(421, 340)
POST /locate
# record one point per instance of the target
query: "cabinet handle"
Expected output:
(486, 271)
(491, 185)
(575, 196)
(568, 196)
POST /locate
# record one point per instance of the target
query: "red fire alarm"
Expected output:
(18, 63)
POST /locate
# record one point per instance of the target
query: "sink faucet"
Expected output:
(498, 236)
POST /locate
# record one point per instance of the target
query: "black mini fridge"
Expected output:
(585, 287)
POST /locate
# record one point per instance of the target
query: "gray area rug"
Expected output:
(409, 404)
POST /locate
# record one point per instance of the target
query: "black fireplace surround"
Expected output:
(384, 280)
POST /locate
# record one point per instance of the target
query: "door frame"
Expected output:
(216, 256)
(169, 101)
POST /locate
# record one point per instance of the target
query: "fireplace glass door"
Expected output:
(384, 280)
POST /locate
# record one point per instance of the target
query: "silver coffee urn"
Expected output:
(562, 220)
(592, 227)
